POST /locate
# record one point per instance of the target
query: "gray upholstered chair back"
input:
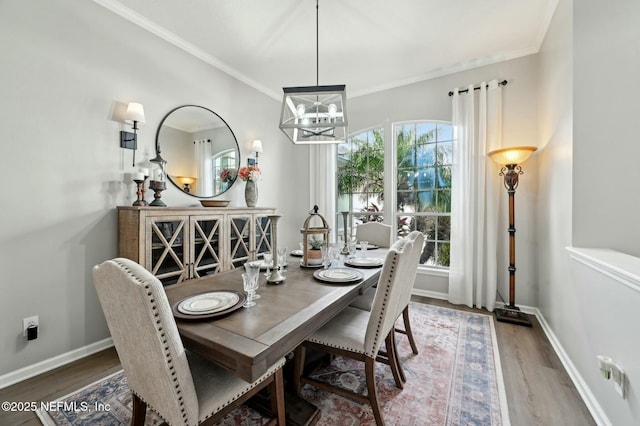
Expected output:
(146, 337)
(375, 233)
(388, 295)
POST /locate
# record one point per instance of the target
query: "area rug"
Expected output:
(455, 379)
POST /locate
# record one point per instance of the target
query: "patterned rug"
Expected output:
(454, 380)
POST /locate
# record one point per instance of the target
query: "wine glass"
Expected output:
(326, 256)
(250, 285)
(352, 249)
(336, 257)
(363, 248)
(252, 269)
(268, 262)
(282, 257)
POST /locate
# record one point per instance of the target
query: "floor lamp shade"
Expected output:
(510, 160)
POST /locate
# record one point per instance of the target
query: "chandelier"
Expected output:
(314, 114)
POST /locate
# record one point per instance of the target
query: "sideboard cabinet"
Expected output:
(181, 243)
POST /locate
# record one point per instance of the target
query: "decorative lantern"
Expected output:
(314, 237)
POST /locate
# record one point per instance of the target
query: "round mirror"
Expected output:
(201, 151)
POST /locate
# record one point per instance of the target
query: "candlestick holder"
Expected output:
(345, 249)
(276, 276)
(140, 193)
(157, 187)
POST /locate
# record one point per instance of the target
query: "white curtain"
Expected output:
(204, 166)
(477, 128)
(322, 185)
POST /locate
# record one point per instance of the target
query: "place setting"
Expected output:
(364, 262)
(338, 275)
(209, 305)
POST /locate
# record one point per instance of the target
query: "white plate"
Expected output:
(338, 275)
(208, 303)
(365, 262)
(297, 253)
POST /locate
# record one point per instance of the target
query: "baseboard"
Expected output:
(583, 389)
(51, 363)
(428, 293)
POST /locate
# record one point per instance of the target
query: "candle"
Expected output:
(145, 172)
(138, 176)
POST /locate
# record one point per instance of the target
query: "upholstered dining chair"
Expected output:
(375, 233)
(183, 388)
(365, 300)
(359, 334)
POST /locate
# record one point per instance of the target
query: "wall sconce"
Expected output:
(256, 146)
(133, 116)
(186, 182)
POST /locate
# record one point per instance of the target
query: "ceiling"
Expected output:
(369, 45)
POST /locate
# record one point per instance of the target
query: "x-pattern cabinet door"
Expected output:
(240, 247)
(263, 234)
(206, 244)
(166, 256)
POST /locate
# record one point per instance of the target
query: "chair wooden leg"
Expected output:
(407, 329)
(390, 344)
(139, 410)
(397, 357)
(369, 369)
(298, 367)
(276, 391)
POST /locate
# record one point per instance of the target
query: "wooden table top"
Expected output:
(249, 340)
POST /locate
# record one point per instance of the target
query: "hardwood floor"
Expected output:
(539, 391)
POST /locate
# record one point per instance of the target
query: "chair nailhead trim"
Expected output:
(159, 329)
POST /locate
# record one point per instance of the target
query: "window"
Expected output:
(423, 197)
(422, 173)
(360, 179)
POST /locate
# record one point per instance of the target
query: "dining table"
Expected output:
(247, 341)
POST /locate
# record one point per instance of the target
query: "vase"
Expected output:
(251, 193)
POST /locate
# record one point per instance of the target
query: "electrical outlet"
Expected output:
(26, 322)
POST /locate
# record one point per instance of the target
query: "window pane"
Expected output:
(444, 228)
(444, 177)
(445, 153)
(426, 132)
(425, 154)
(444, 201)
(425, 178)
(445, 132)
(426, 201)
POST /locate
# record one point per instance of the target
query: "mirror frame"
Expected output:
(158, 149)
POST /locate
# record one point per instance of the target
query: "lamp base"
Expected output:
(513, 315)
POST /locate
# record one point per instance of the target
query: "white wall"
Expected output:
(68, 68)
(429, 100)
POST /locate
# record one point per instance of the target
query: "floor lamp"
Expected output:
(509, 159)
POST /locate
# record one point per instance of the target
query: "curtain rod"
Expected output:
(502, 83)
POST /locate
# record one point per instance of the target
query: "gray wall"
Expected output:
(606, 147)
(589, 62)
(68, 69)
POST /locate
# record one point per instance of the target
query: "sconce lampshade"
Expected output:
(513, 155)
(256, 146)
(135, 112)
(186, 180)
